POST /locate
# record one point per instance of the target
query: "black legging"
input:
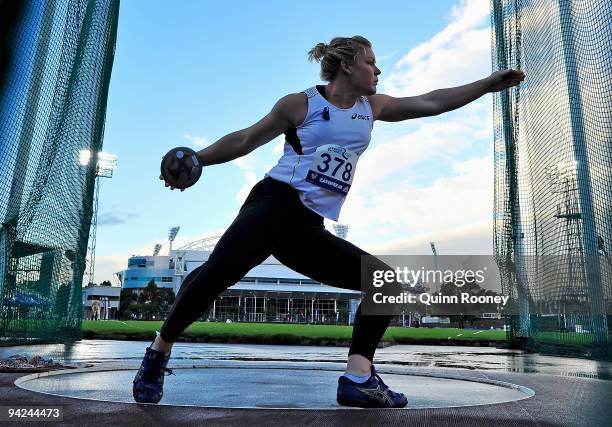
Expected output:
(274, 221)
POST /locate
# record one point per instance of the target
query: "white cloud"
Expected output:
(107, 265)
(278, 147)
(198, 141)
(465, 197)
(250, 180)
(472, 239)
(457, 55)
(436, 141)
(246, 163)
(251, 165)
(387, 211)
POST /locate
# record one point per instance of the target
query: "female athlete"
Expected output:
(327, 128)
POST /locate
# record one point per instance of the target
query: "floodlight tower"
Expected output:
(340, 230)
(171, 236)
(433, 248)
(435, 252)
(105, 165)
(176, 262)
(156, 249)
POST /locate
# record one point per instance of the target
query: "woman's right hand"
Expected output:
(168, 185)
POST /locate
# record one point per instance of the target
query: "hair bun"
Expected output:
(318, 52)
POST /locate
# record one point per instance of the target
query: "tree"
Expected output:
(417, 307)
(270, 312)
(126, 298)
(464, 312)
(234, 311)
(166, 297)
(151, 301)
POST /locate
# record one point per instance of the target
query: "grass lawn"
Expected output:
(570, 338)
(297, 330)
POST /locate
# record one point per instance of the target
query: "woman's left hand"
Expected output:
(504, 79)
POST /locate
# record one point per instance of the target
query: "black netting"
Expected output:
(52, 108)
(553, 166)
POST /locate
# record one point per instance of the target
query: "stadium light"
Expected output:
(340, 230)
(156, 249)
(84, 156)
(105, 165)
(172, 235)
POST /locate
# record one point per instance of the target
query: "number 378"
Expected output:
(348, 166)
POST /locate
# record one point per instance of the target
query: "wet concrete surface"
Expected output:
(250, 385)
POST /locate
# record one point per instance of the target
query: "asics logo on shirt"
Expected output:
(360, 117)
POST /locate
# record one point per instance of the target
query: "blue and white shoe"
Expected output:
(149, 381)
(373, 393)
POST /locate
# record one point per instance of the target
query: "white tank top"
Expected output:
(321, 154)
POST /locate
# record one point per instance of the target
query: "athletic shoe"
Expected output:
(373, 393)
(149, 381)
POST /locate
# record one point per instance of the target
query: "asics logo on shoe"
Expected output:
(378, 394)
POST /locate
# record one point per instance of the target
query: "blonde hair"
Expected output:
(340, 48)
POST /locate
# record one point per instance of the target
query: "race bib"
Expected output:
(333, 168)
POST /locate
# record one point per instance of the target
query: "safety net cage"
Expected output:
(553, 167)
(56, 66)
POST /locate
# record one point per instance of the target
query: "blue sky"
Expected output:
(191, 73)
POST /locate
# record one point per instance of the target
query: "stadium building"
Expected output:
(268, 292)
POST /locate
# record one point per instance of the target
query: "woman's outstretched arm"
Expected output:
(284, 115)
(391, 109)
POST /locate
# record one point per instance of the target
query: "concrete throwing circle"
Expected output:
(270, 387)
